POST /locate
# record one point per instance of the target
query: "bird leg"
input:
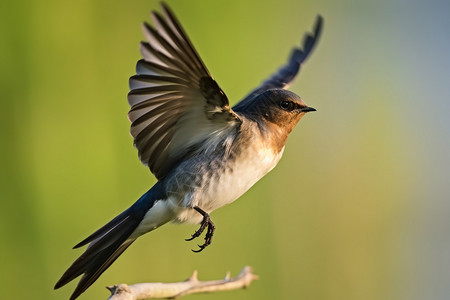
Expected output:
(206, 222)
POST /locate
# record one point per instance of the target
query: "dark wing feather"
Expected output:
(287, 73)
(175, 103)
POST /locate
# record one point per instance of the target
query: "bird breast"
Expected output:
(240, 175)
(226, 179)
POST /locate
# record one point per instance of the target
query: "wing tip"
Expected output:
(165, 7)
(311, 39)
(318, 26)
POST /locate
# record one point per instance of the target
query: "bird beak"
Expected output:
(307, 109)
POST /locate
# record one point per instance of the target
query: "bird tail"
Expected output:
(106, 245)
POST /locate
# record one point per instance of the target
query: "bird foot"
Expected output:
(206, 223)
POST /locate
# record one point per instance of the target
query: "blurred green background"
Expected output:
(358, 208)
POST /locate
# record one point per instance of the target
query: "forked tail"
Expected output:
(107, 244)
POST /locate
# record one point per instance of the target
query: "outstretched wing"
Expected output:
(175, 103)
(287, 73)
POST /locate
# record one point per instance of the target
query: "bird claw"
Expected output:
(199, 250)
(206, 222)
(203, 225)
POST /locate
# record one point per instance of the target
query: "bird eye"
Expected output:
(286, 105)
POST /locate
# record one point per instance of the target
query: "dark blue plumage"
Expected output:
(107, 243)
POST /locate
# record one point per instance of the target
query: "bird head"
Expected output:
(281, 108)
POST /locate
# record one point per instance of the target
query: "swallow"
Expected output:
(204, 153)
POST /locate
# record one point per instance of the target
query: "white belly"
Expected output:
(239, 176)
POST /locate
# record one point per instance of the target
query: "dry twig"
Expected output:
(192, 285)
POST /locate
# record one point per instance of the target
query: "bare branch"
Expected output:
(192, 285)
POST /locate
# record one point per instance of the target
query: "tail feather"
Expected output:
(109, 242)
(105, 229)
(100, 250)
(100, 264)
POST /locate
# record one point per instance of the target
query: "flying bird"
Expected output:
(204, 153)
